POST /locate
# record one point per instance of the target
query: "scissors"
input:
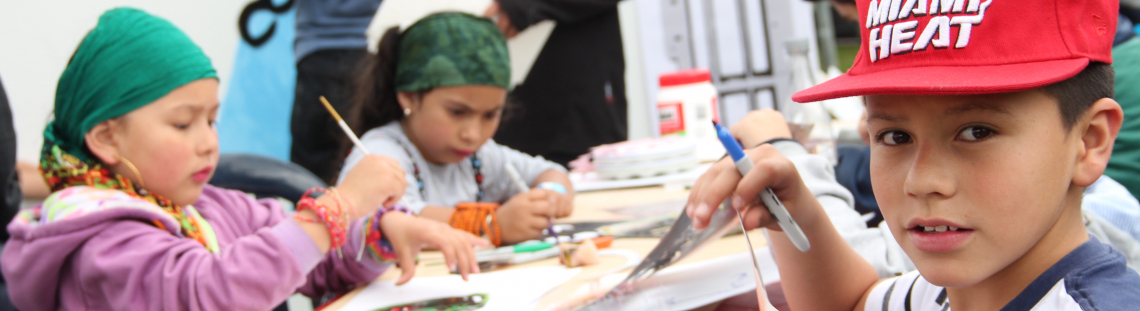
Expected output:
(680, 241)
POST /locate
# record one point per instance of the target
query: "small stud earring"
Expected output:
(407, 111)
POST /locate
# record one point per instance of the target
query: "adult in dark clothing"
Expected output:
(574, 96)
(330, 44)
(10, 195)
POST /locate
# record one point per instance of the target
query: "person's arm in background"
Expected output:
(10, 195)
(513, 16)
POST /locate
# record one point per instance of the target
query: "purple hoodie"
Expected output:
(96, 249)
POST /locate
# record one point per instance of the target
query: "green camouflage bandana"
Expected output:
(451, 49)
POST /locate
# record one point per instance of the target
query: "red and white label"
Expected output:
(670, 118)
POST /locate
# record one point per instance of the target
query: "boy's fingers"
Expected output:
(767, 173)
(755, 216)
(699, 185)
(715, 191)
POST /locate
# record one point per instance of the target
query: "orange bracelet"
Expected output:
(472, 217)
(335, 219)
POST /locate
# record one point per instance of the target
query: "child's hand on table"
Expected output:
(408, 233)
(525, 215)
(772, 170)
(375, 181)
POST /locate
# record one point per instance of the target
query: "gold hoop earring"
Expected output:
(133, 169)
(407, 111)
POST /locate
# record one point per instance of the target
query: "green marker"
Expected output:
(506, 252)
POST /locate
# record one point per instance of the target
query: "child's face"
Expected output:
(450, 123)
(998, 167)
(172, 141)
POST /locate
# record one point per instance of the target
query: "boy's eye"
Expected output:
(182, 126)
(892, 138)
(974, 133)
(456, 112)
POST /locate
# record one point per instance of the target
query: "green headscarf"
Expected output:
(129, 60)
(450, 49)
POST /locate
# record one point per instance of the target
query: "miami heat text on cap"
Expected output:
(959, 47)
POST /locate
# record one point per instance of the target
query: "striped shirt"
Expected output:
(1091, 277)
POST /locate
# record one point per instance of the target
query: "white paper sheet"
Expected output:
(518, 289)
(693, 285)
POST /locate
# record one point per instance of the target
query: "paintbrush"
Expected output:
(517, 179)
(355, 141)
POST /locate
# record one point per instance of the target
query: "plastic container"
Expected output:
(645, 157)
(810, 122)
(687, 106)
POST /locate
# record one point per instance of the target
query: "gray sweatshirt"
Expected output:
(449, 184)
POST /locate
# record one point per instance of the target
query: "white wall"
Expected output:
(646, 55)
(38, 36)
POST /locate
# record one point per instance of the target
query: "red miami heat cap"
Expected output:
(959, 47)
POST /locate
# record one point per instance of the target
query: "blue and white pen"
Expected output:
(775, 207)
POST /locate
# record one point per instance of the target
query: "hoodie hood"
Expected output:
(44, 237)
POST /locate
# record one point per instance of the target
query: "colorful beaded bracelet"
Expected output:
(335, 219)
(374, 240)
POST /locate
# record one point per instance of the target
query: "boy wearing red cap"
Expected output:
(988, 118)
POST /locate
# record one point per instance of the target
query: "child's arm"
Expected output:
(829, 269)
(406, 234)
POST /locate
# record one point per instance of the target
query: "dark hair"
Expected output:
(1077, 94)
(374, 103)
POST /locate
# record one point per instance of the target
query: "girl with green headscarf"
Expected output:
(432, 98)
(132, 224)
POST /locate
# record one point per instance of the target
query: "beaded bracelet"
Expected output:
(335, 219)
(374, 240)
(479, 219)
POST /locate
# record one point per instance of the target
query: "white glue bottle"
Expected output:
(687, 106)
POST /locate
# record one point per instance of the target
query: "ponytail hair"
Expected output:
(374, 103)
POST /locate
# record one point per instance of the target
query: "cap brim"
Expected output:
(946, 80)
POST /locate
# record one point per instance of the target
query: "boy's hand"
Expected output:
(524, 216)
(723, 181)
(408, 233)
(760, 126)
(375, 181)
